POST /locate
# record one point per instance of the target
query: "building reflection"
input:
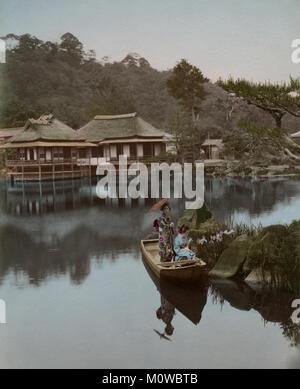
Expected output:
(28, 199)
(53, 228)
(223, 196)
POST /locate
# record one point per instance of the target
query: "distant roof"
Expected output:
(296, 135)
(105, 127)
(46, 128)
(9, 132)
(10, 145)
(114, 117)
(213, 142)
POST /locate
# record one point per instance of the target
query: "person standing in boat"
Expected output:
(182, 245)
(166, 232)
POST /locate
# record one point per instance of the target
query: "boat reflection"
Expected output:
(189, 300)
(274, 306)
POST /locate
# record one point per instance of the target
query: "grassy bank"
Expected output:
(269, 255)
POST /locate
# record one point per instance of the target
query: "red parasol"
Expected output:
(158, 205)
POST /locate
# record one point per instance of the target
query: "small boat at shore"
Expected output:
(190, 270)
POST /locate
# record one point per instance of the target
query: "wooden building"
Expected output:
(46, 149)
(213, 148)
(126, 135)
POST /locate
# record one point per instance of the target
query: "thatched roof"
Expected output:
(10, 145)
(10, 132)
(46, 128)
(120, 126)
(213, 142)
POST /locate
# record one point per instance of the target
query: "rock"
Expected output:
(278, 230)
(232, 259)
(278, 168)
(262, 249)
(257, 277)
(273, 255)
(208, 228)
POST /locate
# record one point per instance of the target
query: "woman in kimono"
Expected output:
(165, 234)
(181, 245)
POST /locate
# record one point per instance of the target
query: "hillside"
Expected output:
(62, 78)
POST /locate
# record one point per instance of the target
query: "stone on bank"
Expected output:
(232, 259)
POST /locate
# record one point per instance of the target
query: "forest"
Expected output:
(62, 78)
(68, 81)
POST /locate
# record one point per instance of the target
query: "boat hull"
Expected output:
(184, 271)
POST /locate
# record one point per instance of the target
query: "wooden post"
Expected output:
(54, 194)
(90, 168)
(63, 167)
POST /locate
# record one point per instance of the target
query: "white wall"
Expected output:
(106, 151)
(140, 150)
(156, 149)
(126, 150)
(48, 155)
(113, 151)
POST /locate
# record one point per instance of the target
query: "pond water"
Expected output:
(79, 296)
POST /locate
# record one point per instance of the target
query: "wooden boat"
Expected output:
(180, 271)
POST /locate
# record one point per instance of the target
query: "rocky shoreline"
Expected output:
(267, 256)
(236, 169)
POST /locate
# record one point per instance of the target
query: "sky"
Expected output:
(244, 38)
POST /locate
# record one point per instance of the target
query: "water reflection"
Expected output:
(226, 197)
(51, 229)
(188, 300)
(30, 199)
(61, 226)
(255, 201)
(51, 234)
(274, 306)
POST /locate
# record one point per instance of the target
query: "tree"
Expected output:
(187, 140)
(186, 85)
(260, 146)
(276, 99)
(73, 48)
